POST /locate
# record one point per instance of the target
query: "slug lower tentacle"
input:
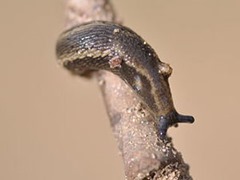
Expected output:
(116, 48)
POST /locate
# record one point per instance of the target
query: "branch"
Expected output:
(145, 156)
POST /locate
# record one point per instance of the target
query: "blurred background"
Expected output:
(47, 128)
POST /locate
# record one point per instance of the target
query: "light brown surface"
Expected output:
(54, 126)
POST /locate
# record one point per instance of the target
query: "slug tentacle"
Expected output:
(116, 48)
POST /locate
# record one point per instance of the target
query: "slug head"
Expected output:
(172, 119)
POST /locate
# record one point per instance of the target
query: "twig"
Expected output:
(145, 156)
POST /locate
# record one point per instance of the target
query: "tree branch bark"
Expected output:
(145, 156)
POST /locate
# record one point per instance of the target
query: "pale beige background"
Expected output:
(53, 126)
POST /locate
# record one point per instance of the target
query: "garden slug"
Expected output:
(116, 48)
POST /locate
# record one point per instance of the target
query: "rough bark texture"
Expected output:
(144, 155)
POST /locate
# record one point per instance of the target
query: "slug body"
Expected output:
(118, 49)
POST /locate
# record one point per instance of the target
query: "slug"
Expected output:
(118, 49)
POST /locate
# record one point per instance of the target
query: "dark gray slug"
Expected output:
(116, 48)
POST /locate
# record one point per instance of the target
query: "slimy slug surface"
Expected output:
(116, 48)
